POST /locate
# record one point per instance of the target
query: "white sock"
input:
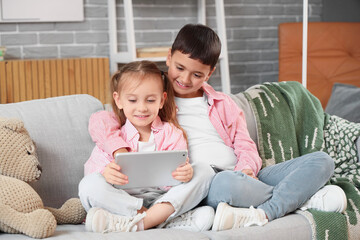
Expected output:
(262, 213)
(140, 225)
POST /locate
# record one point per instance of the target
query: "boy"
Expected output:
(217, 134)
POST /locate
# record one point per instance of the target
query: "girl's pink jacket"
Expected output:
(166, 137)
(224, 114)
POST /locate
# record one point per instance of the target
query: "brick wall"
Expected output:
(251, 32)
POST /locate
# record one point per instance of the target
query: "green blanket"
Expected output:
(291, 123)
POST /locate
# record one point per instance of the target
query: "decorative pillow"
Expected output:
(345, 102)
(358, 148)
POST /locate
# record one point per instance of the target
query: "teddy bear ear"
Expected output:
(12, 123)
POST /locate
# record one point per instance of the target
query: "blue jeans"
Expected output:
(281, 188)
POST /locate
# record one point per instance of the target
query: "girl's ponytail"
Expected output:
(168, 112)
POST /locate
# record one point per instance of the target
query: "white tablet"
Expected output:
(150, 169)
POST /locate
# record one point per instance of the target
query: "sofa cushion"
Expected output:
(345, 102)
(244, 105)
(292, 226)
(70, 232)
(58, 127)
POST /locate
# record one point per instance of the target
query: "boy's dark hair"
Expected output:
(200, 41)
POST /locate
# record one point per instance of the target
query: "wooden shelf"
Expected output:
(158, 54)
(152, 52)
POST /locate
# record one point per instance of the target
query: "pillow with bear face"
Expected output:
(345, 102)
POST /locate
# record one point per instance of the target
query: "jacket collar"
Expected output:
(132, 132)
(211, 94)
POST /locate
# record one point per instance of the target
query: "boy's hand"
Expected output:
(183, 173)
(250, 173)
(113, 175)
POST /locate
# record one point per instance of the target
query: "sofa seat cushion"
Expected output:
(292, 226)
(66, 232)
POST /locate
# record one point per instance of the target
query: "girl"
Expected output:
(143, 103)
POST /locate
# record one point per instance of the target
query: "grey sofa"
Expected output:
(59, 127)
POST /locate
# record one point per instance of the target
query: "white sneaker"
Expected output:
(330, 198)
(228, 217)
(196, 220)
(100, 220)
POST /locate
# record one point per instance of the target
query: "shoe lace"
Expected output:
(316, 202)
(123, 223)
(251, 218)
(182, 220)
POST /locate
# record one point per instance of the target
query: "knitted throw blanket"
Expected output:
(290, 123)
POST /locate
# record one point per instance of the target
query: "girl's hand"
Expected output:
(113, 175)
(183, 173)
(250, 173)
(120, 150)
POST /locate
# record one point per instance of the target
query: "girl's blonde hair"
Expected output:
(142, 68)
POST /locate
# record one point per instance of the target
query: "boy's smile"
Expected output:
(186, 74)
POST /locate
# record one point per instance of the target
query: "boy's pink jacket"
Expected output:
(224, 114)
(166, 137)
